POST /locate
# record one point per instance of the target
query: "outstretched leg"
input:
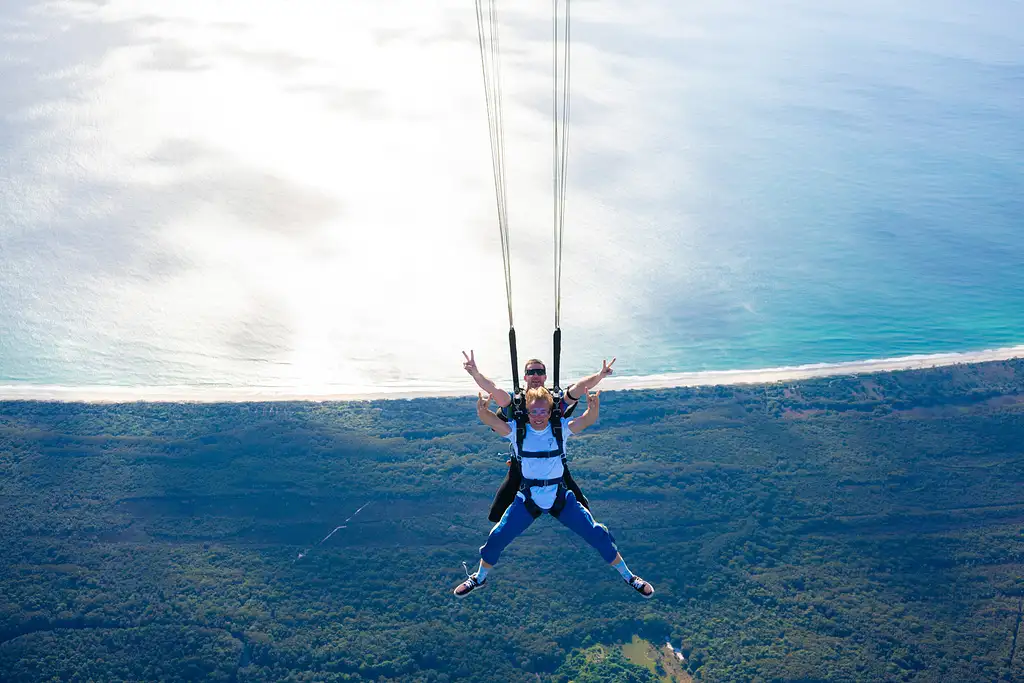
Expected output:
(514, 522)
(579, 519)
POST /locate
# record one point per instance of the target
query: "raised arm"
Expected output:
(589, 416)
(483, 411)
(500, 396)
(587, 384)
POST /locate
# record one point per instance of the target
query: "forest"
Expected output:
(856, 528)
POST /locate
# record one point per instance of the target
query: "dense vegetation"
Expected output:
(860, 528)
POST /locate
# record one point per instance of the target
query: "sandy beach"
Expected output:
(219, 394)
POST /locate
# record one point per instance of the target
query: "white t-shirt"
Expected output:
(541, 468)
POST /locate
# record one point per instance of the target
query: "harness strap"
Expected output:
(527, 483)
(556, 508)
(533, 508)
(559, 504)
(556, 421)
(541, 454)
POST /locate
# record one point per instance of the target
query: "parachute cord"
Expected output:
(560, 154)
(557, 341)
(514, 357)
(490, 51)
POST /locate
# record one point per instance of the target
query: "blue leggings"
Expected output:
(517, 519)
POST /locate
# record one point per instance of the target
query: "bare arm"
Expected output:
(590, 416)
(500, 396)
(587, 384)
(483, 411)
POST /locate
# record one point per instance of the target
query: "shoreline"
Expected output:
(209, 394)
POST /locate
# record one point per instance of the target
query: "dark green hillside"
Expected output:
(849, 529)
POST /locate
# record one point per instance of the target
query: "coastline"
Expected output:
(220, 394)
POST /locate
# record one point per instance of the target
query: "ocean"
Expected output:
(234, 203)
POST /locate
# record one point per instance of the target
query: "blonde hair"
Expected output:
(540, 394)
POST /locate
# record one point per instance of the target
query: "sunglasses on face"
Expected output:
(539, 411)
(536, 371)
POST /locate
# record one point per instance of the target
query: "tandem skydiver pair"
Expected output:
(538, 480)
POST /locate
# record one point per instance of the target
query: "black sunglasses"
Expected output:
(536, 371)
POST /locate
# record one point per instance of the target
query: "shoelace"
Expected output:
(471, 581)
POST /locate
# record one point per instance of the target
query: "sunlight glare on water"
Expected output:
(261, 194)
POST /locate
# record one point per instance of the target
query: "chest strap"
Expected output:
(542, 454)
(527, 483)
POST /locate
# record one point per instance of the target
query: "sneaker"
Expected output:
(468, 586)
(642, 587)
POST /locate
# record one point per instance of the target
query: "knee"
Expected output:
(491, 550)
(610, 553)
(604, 542)
(599, 532)
(489, 555)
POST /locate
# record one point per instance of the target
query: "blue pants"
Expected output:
(517, 519)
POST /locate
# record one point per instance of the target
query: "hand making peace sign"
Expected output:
(470, 364)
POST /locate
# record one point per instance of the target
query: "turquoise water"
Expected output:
(865, 200)
(798, 184)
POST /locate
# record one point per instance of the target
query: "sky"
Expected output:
(270, 193)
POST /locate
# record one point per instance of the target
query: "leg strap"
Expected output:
(559, 504)
(532, 507)
(535, 509)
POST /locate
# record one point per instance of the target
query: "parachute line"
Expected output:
(560, 152)
(490, 51)
(490, 62)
